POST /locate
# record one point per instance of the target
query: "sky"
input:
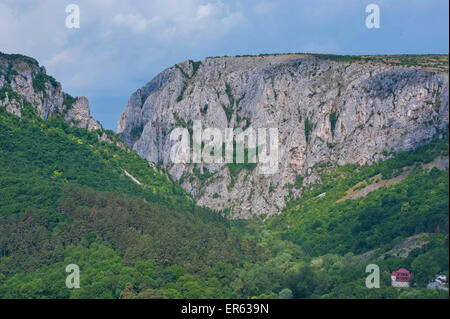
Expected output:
(122, 45)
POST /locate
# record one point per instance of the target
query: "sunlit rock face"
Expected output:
(29, 80)
(79, 113)
(326, 112)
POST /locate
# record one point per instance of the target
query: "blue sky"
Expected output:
(121, 45)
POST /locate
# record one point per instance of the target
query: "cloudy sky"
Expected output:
(121, 45)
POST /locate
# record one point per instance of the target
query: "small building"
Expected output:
(441, 278)
(440, 282)
(401, 278)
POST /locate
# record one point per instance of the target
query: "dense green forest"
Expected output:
(65, 199)
(65, 196)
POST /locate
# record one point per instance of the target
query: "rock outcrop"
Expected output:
(80, 114)
(23, 82)
(326, 112)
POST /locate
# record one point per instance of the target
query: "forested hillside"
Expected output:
(65, 199)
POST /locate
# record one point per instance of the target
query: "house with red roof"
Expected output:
(401, 277)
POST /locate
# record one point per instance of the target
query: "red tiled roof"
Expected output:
(402, 274)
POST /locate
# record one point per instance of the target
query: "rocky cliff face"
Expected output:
(326, 112)
(23, 82)
(80, 114)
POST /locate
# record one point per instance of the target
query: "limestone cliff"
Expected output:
(327, 111)
(23, 81)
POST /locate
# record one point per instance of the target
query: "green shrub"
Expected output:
(333, 120)
(39, 81)
(136, 131)
(308, 129)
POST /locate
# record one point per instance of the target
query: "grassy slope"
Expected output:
(435, 62)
